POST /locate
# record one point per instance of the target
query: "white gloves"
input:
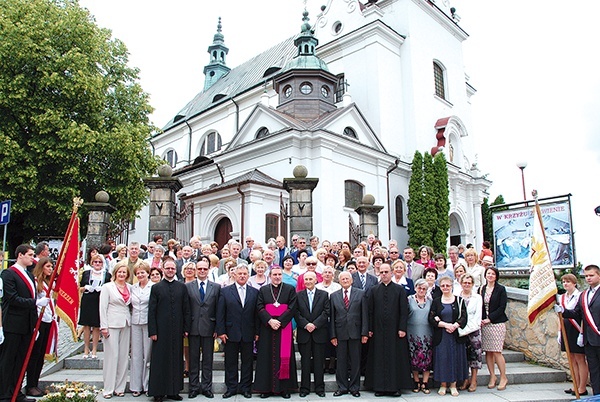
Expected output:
(580, 340)
(88, 288)
(1, 335)
(42, 302)
(558, 308)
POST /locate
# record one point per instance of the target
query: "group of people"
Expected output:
(368, 310)
(397, 319)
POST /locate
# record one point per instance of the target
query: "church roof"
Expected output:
(248, 75)
(252, 177)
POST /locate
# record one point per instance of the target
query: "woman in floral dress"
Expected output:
(420, 336)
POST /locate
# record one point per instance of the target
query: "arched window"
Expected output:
(400, 211)
(439, 79)
(349, 131)
(211, 143)
(353, 194)
(262, 132)
(171, 157)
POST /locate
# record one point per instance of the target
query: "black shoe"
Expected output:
(228, 394)
(339, 393)
(321, 394)
(158, 399)
(582, 393)
(378, 394)
(176, 397)
(396, 394)
(303, 394)
(569, 391)
(247, 394)
(34, 391)
(331, 371)
(208, 393)
(285, 395)
(356, 394)
(265, 395)
(193, 394)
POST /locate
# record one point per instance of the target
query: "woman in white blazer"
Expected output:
(472, 329)
(115, 326)
(141, 344)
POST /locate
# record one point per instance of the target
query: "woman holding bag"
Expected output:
(472, 330)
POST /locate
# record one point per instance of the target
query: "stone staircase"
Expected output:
(519, 372)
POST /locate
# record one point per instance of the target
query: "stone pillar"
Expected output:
(98, 219)
(163, 204)
(368, 217)
(300, 189)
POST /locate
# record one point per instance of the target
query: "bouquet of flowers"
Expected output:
(70, 391)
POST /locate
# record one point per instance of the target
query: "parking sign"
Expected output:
(4, 212)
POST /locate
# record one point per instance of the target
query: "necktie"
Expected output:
(202, 291)
(242, 295)
(310, 300)
(346, 300)
(409, 271)
(591, 295)
(363, 280)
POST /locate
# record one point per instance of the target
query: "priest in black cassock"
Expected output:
(388, 365)
(276, 361)
(168, 322)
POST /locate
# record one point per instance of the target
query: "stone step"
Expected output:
(518, 373)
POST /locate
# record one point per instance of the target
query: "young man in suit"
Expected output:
(237, 327)
(588, 310)
(312, 317)
(349, 327)
(19, 313)
(204, 298)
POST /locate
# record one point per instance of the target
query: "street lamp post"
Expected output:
(522, 166)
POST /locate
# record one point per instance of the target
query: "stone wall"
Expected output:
(538, 341)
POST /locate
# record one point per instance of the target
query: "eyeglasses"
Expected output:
(202, 269)
(446, 285)
(311, 263)
(393, 252)
(384, 272)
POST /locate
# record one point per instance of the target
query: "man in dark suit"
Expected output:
(237, 327)
(361, 279)
(349, 327)
(588, 310)
(365, 281)
(204, 298)
(312, 333)
(19, 314)
(281, 250)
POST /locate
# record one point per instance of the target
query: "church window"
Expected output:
(349, 131)
(400, 211)
(337, 27)
(271, 226)
(340, 89)
(287, 91)
(353, 193)
(306, 88)
(262, 132)
(211, 143)
(171, 157)
(440, 84)
(325, 91)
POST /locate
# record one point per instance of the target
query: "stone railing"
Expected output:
(538, 341)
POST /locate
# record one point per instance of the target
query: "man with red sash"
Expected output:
(276, 362)
(19, 314)
(588, 308)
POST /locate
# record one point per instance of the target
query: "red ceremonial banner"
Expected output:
(67, 289)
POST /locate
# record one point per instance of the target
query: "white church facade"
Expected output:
(350, 98)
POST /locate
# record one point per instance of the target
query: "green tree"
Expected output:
(486, 218)
(430, 192)
(416, 211)
(73, 117)
(441, 202)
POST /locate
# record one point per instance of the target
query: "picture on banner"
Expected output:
(513, 229)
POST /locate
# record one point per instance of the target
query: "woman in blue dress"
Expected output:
(447, 314)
